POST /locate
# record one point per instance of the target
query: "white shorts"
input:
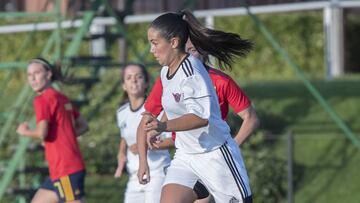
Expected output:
(222, 171)
(149, 193)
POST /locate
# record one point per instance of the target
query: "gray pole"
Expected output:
(121, 5)
(98, 46)
(334, 39)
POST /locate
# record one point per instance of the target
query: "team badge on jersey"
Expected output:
(234, 200)
(123, 125)
(68, 106)
(177, 96)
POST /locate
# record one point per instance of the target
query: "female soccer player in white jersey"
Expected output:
(205, 149)
(229, 94)
(135, 81)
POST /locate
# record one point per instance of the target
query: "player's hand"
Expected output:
(155, 124)
(23, 128)
(120, 167)
(148, 117)
(133, 148)
(143, 173)
(153, 139)
(118, 171)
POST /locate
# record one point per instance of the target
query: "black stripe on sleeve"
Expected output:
(189, 66)
(185, 71)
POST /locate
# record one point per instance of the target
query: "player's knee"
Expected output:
(176, 194)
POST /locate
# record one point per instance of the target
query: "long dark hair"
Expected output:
(54, 69)
(224, 46)
(125, 96)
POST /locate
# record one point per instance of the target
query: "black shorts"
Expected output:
(67, 188)
(200, 190)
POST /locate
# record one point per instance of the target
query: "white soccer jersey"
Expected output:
(128, 121)
(190, 90)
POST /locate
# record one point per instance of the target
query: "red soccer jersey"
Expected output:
(228, 92)
(61, 148)
(153, 101)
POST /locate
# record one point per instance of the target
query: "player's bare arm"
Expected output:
(250, 123)
(143, 172)
(40, 131)
(121, 158)
(186, 122)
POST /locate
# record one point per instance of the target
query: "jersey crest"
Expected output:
(234, 200)
(177, 96)
(123, 126)
(68, 106)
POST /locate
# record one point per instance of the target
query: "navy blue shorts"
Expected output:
(67, 188)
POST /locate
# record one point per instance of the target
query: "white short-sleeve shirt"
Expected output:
(190, 90)
(128, 121)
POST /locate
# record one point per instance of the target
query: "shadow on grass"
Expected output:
(327, 162)
(104, 188)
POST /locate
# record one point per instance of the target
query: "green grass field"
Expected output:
(104, 188)
(330, 169)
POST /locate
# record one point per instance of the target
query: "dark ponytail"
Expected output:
(223, 46)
